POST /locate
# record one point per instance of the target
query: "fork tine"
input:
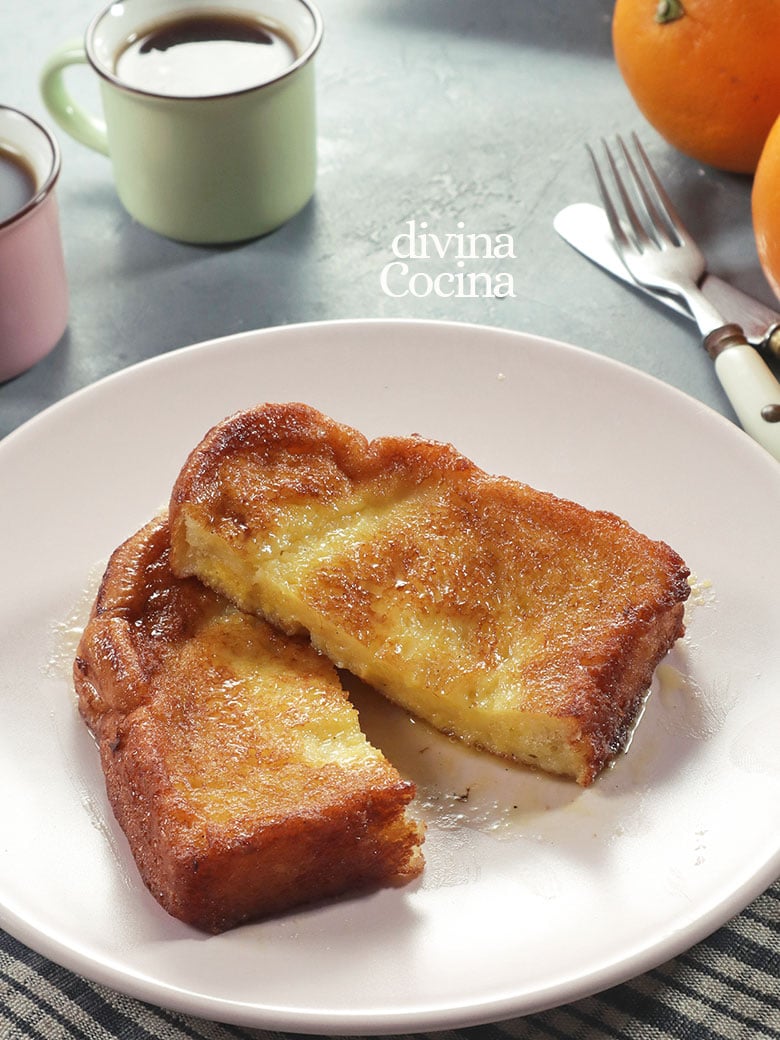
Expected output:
(662, 229)
(641, 238)
(616, 225)
(670, 214)
(618, 232)
(637, 226)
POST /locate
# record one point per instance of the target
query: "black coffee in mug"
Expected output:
(17, 182)
(203, 55)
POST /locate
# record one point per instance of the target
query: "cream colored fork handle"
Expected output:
(752, 389)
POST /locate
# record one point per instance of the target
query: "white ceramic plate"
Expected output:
(536, 892)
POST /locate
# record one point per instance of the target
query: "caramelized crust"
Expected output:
(233, 759)
(520, 622)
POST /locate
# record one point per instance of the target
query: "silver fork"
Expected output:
(660, 254)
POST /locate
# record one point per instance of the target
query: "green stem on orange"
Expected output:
(669, 11)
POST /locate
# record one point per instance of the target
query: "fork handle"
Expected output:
(750, 386)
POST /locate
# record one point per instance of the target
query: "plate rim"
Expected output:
(216, 342)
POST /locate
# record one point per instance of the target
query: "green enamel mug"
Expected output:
(208, 111)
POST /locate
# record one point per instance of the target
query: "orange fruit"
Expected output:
(766, 208)
(704, 73)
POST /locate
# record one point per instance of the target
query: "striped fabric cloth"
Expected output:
(726, 988)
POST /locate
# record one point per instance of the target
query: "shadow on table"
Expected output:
(583, 26)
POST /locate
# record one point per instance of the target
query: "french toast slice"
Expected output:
(233, 759)
(521, 623)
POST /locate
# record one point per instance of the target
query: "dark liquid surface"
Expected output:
(205, 55)
(17, 183)
(204, 30)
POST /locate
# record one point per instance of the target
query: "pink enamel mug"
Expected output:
(33, 283)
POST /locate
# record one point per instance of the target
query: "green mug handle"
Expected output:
(73, 119)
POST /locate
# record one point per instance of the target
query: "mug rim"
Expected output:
(48, 185)
(111, 77)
